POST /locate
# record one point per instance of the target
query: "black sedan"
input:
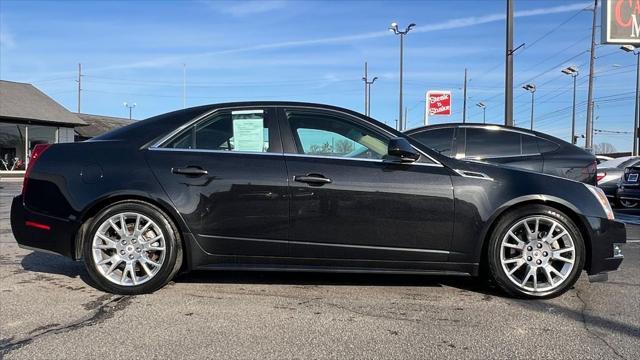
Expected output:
(510, 146)
(289, 186)
(609, 177)
(628, 191)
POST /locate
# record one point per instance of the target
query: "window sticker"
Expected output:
(248, 133)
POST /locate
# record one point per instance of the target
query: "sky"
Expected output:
(139, 52)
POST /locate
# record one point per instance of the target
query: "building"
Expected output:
(97, 125)
(29, 117)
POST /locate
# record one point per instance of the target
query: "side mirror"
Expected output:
(400, 150)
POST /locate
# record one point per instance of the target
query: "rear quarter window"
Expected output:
(547, 146)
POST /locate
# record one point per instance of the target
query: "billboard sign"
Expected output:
(439, 103)
(621, 22)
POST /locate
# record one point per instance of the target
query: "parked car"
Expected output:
(609, 175)
(602, 158)
(628, 192)
(290, 186)
(511, 146)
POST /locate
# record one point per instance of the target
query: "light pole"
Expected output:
(130, 107)
(573, 71)
(367, 90)
(482, 106)
(394, 28)
(630, 48)
(532, 89)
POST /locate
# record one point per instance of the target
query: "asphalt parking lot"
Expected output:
(48, 311)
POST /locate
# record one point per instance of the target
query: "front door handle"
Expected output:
(313, 179)
(190, 171)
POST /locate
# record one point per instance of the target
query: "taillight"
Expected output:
(35, 155)
(600, 176)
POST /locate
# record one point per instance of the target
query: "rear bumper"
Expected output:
(604, 234)
(41, 232)
(628, 193)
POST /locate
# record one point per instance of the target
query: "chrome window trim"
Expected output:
(216, 151)
(281, 154)
(157, 145)
(498, 156)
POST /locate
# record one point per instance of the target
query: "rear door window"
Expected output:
(233, 130)
(486, 143)
(439, 140)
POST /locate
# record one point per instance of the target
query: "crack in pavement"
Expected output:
(586, 326)
(101, 313)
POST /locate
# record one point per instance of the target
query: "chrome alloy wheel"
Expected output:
(128, 249)
(537, 254)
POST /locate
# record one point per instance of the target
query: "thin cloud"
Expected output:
(248, 7)
(446, 25)
(6, 39)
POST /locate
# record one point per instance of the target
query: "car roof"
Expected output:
(617, 162)
(553, 139)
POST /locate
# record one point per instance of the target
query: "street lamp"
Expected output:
(394, 29)
(532, 89)
(573, 71)
(633, 50)
(130, 106)
(367, 91)
(482, 106)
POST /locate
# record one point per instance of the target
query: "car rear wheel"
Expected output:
(536, 251)
(131, 248)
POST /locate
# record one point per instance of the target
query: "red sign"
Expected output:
(439, 103)
(621, 22)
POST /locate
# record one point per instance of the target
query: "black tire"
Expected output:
(498, 275)
(173, 245)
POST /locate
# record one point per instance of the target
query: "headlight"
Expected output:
(602, 199)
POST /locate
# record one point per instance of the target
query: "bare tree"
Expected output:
(605, 148)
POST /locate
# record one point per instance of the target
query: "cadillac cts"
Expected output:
(303, 187)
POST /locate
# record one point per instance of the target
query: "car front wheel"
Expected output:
(536, 252)
(131, 248)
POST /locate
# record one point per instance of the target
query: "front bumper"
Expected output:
(58, 238)
(604, 233)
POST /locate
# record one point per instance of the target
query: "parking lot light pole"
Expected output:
(573, 71)
(394, 28)
(630, 48)
(130, 107)
(482, 106)
(532, 89)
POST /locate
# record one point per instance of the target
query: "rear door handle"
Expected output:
(190, 171)
(315, 179)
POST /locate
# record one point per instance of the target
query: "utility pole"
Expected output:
(394, 28)
(184, 86)
(405, 118)
(464, 102)
(636, 122)
(508, 77)
(79, 81)
(589, 129)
